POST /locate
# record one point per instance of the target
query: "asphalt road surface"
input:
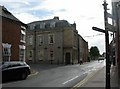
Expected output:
(57, 75)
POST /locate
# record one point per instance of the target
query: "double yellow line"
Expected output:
(88, 77)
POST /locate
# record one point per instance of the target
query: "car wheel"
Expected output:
(24, 75)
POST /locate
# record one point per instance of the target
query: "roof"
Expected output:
(5, 13)
(47, 23)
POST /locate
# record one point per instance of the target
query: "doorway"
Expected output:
(67, 58)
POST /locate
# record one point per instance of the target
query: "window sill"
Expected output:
(40, 60)
(51, 43)
(22, 41)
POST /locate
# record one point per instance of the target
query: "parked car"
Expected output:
(15, 70)
(101, 58)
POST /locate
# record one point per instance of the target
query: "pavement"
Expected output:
(97, 80)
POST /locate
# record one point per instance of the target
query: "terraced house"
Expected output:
(13, 36)
(52, 41)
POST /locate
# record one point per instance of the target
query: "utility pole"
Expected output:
(107, 46)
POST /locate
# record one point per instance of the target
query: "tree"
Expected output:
(94, 52)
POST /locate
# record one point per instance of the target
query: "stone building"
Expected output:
(52, 41)
(13, 36)
(83, 49)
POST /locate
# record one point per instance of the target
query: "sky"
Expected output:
(85, 13)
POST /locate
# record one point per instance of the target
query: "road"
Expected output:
(58, 76)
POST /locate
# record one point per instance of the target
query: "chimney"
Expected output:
(74, 25)
(56, 17)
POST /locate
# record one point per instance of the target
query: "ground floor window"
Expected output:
(30, 55)
(51, 56)
(41, 55)
(6, 51)
(22, 53)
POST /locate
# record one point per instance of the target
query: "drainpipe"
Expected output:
(34, 46)
(78, 51)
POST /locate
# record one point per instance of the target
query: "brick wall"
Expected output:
(11, 35)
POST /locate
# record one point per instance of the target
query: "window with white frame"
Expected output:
(6, 51)
(23, 27)
(22, 36)
(22, 53)
(51, 39)
(40, 39)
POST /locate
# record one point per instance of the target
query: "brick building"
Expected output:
(0, 37)
(52, 41)
(116, 24)
(13, 37)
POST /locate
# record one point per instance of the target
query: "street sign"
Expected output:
(110, 28)
(98, 29)
(109, 15)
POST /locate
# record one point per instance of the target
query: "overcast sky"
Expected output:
(85, 13)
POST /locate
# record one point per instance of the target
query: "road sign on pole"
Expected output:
(98, 29)
(107, 46)
(110, 28)
(107, 26)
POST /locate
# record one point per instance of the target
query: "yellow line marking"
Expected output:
(88, 77)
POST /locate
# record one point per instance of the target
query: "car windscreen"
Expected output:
(6, 65)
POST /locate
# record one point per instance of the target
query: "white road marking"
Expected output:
(70, 79)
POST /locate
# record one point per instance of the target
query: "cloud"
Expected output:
(98, 41)
(27, 17)
(86, 13)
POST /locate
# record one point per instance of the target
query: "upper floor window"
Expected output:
(51, 38)
(23, 27)
(42, 25)
(22, 36)
(30, 40)
(32, 26)
(47, 25)
(52, 24)
(40, 39)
